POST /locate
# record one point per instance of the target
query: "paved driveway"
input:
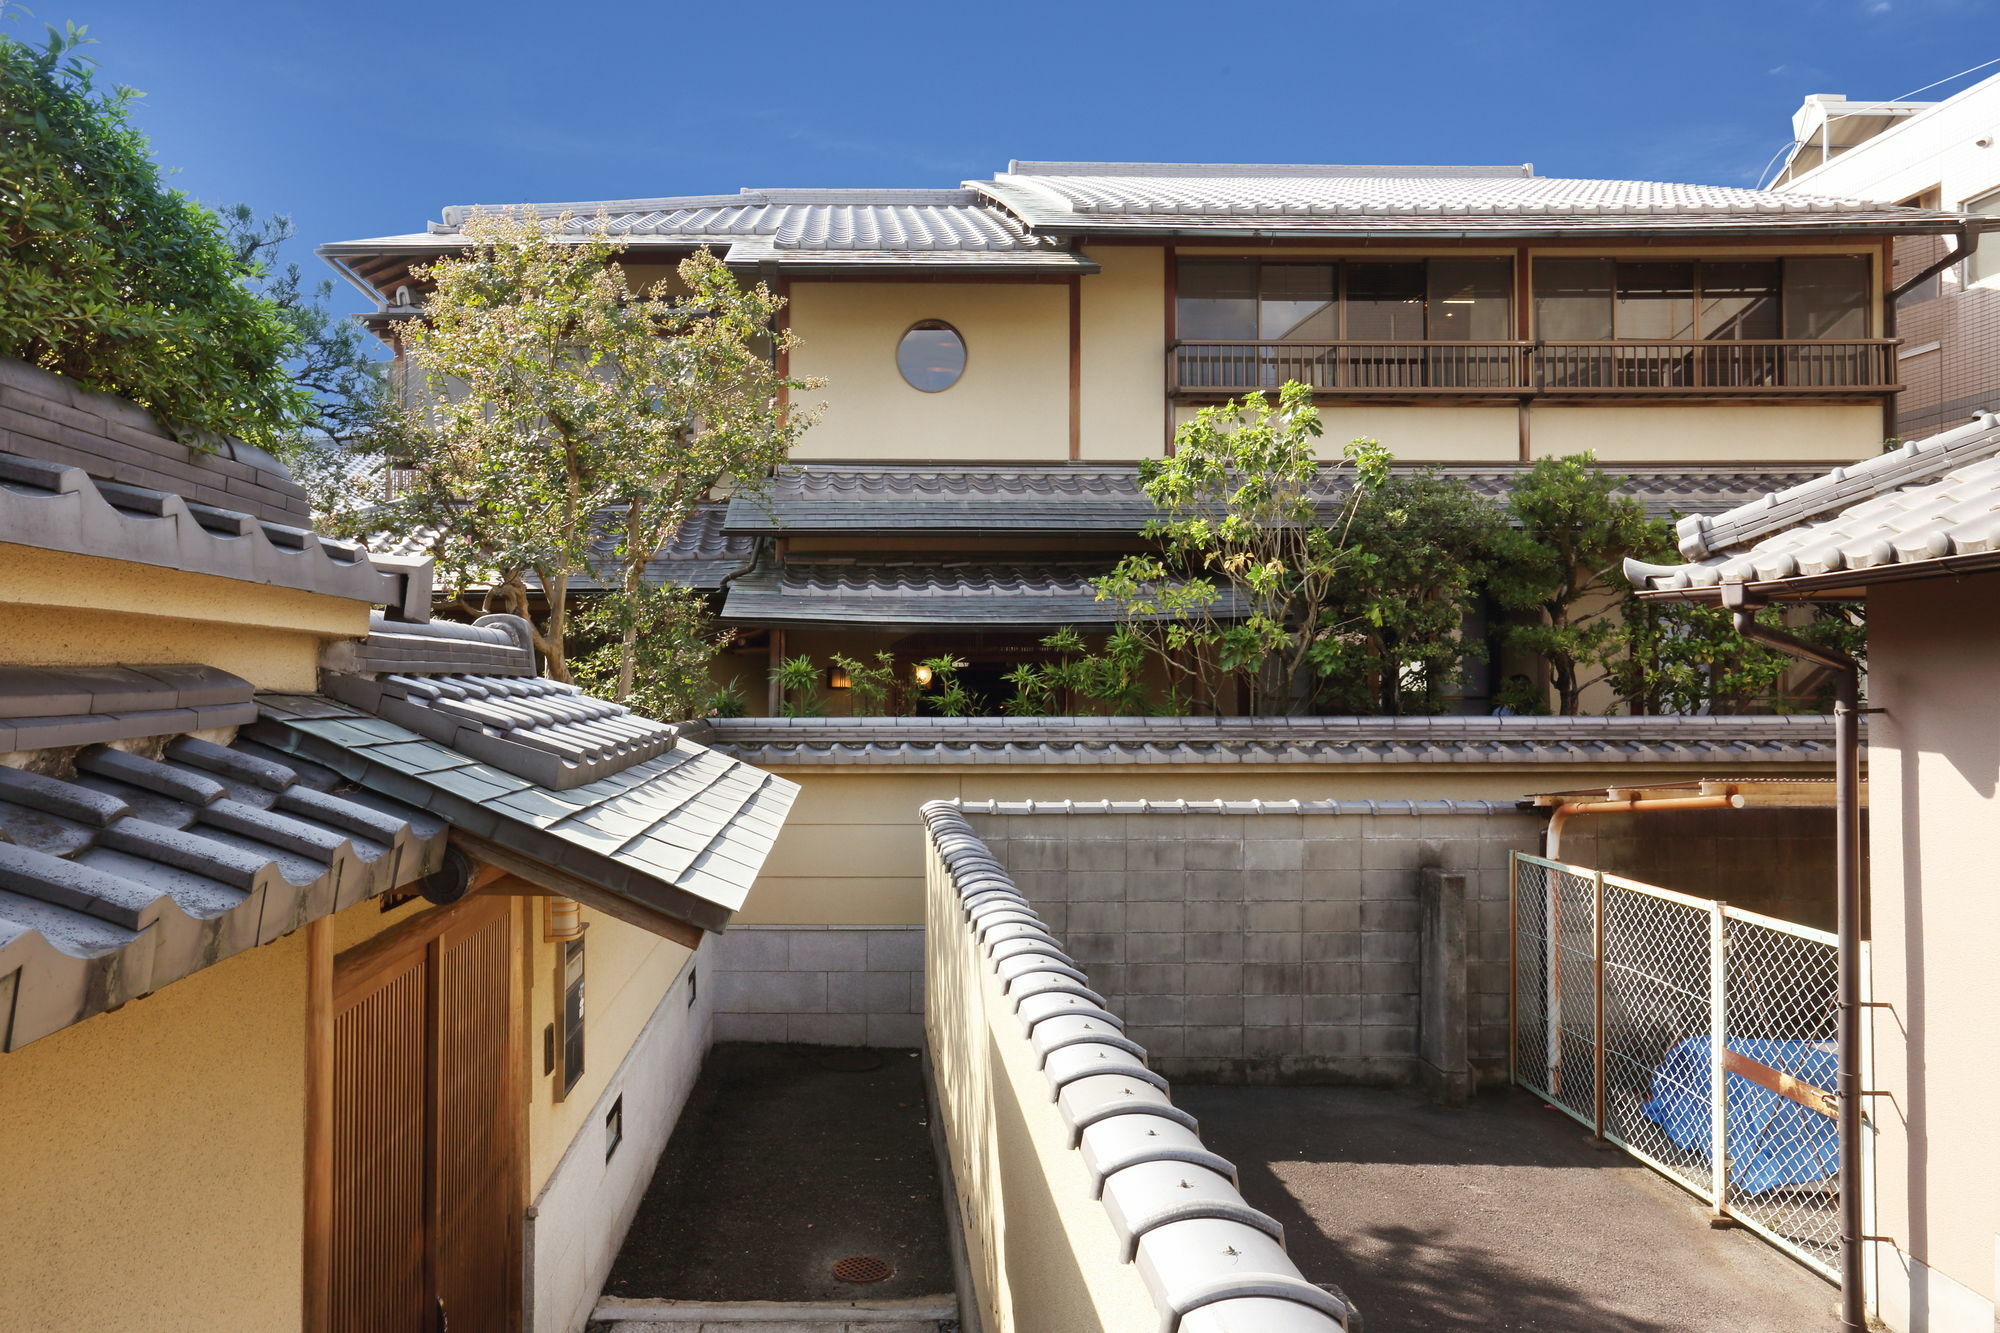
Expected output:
(1500, 1216)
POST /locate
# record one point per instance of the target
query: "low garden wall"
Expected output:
(1085, 1199)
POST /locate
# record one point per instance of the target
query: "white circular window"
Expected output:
(931, 356)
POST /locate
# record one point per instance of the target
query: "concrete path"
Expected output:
(1501, 1216)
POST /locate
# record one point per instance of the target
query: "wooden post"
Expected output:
(319, 1126)
(775, 698)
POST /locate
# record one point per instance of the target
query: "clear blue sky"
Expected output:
(365, 118)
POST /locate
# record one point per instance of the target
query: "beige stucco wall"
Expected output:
(1415, 434)
(852, 851)
(627, 971)
(153, 1159)
(1934, 763)
(1743, 434)
(72, 610)
(1042, 1254)
(1011, 403)
(1121, 383)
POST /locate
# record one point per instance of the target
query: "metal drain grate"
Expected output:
(862, 1268)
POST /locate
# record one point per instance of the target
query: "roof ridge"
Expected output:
(1027, 168)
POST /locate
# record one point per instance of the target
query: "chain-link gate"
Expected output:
(1638, 1011)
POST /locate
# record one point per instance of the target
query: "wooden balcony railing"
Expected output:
(1202, 369)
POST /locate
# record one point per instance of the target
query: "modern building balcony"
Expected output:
(1696, 368)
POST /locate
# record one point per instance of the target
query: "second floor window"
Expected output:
(1434, 300)
(1649, 300)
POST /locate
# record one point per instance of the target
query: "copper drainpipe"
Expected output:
(1847, 891)
(1636, 805)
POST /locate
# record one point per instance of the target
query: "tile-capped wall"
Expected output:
(1272, 941)
(825, 985)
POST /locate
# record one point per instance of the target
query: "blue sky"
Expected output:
(365, 118)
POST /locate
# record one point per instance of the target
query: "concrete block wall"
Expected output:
(1268, 942)
(824, 985)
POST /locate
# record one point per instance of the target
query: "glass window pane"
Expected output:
(1826, 297)
(1739, 299)
(1573, 299)
(931, 356)
(1296, 303)
(1385, 302)
(1985, 261)
(1216, 299)
(1471, 300)
(1655, 302)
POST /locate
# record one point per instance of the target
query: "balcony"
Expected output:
(1515, 369)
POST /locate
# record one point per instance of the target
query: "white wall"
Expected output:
(577, 1224)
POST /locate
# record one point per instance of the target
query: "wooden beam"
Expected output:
(563, 884)
(1788, 1086)
(319, 1127)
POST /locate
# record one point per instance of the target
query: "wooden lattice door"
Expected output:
(423, 1217)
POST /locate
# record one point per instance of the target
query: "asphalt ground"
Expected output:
(786, 1159)
(1499, 1216)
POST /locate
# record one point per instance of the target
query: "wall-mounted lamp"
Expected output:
(838, 679)
(921, 674)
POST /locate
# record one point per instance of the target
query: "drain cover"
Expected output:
(861, 1268)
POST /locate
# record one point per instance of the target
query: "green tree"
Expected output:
(1423, 545)
(1559, 564)
(1244, 584)
(117, 282)
(545, 392)
(676, 639)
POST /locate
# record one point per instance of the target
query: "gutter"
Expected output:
(1636, 805)
(1847, 881)
(1965, 241)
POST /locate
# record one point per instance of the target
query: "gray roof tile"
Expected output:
(926, 594)
(1931, 500)
(100, 904)
(1237, 740)
(635, 834)
(810, 498)
(1113, 197)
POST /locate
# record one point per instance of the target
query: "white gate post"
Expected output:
(1718, 1038)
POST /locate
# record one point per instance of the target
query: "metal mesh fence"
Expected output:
(1699, 1006)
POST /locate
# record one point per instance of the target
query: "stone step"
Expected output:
(922, 1314)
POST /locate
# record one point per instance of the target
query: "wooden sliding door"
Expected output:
(422, 1211)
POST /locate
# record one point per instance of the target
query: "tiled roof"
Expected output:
(669, 842)
(1931, 506)
(59, 508)
(44, 708)
(1081, 197)
(700, 555)
(1686, 741)
(822, 229)
(1070, 498)
(122, 873)
(927, 594)
(474, 688)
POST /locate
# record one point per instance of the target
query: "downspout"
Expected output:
(1847, 882)
(1963, 245)
(1637, 805)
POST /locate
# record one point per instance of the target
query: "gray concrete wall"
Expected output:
(1775, 861)
(1272, 942)
(824, 985)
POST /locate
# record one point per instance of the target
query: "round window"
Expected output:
(931, 356)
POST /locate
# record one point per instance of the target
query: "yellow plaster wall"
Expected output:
(1011, 403)
(152, 1164)
(1042, 1255)
(71, 610)
(627, 972)
(1416, 434)
(851, 852)
(1121, 386)
(1713, 433)
(1934, 770)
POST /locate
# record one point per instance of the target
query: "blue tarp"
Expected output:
(1773, 1141)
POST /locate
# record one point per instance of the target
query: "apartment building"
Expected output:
(1938, 155)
